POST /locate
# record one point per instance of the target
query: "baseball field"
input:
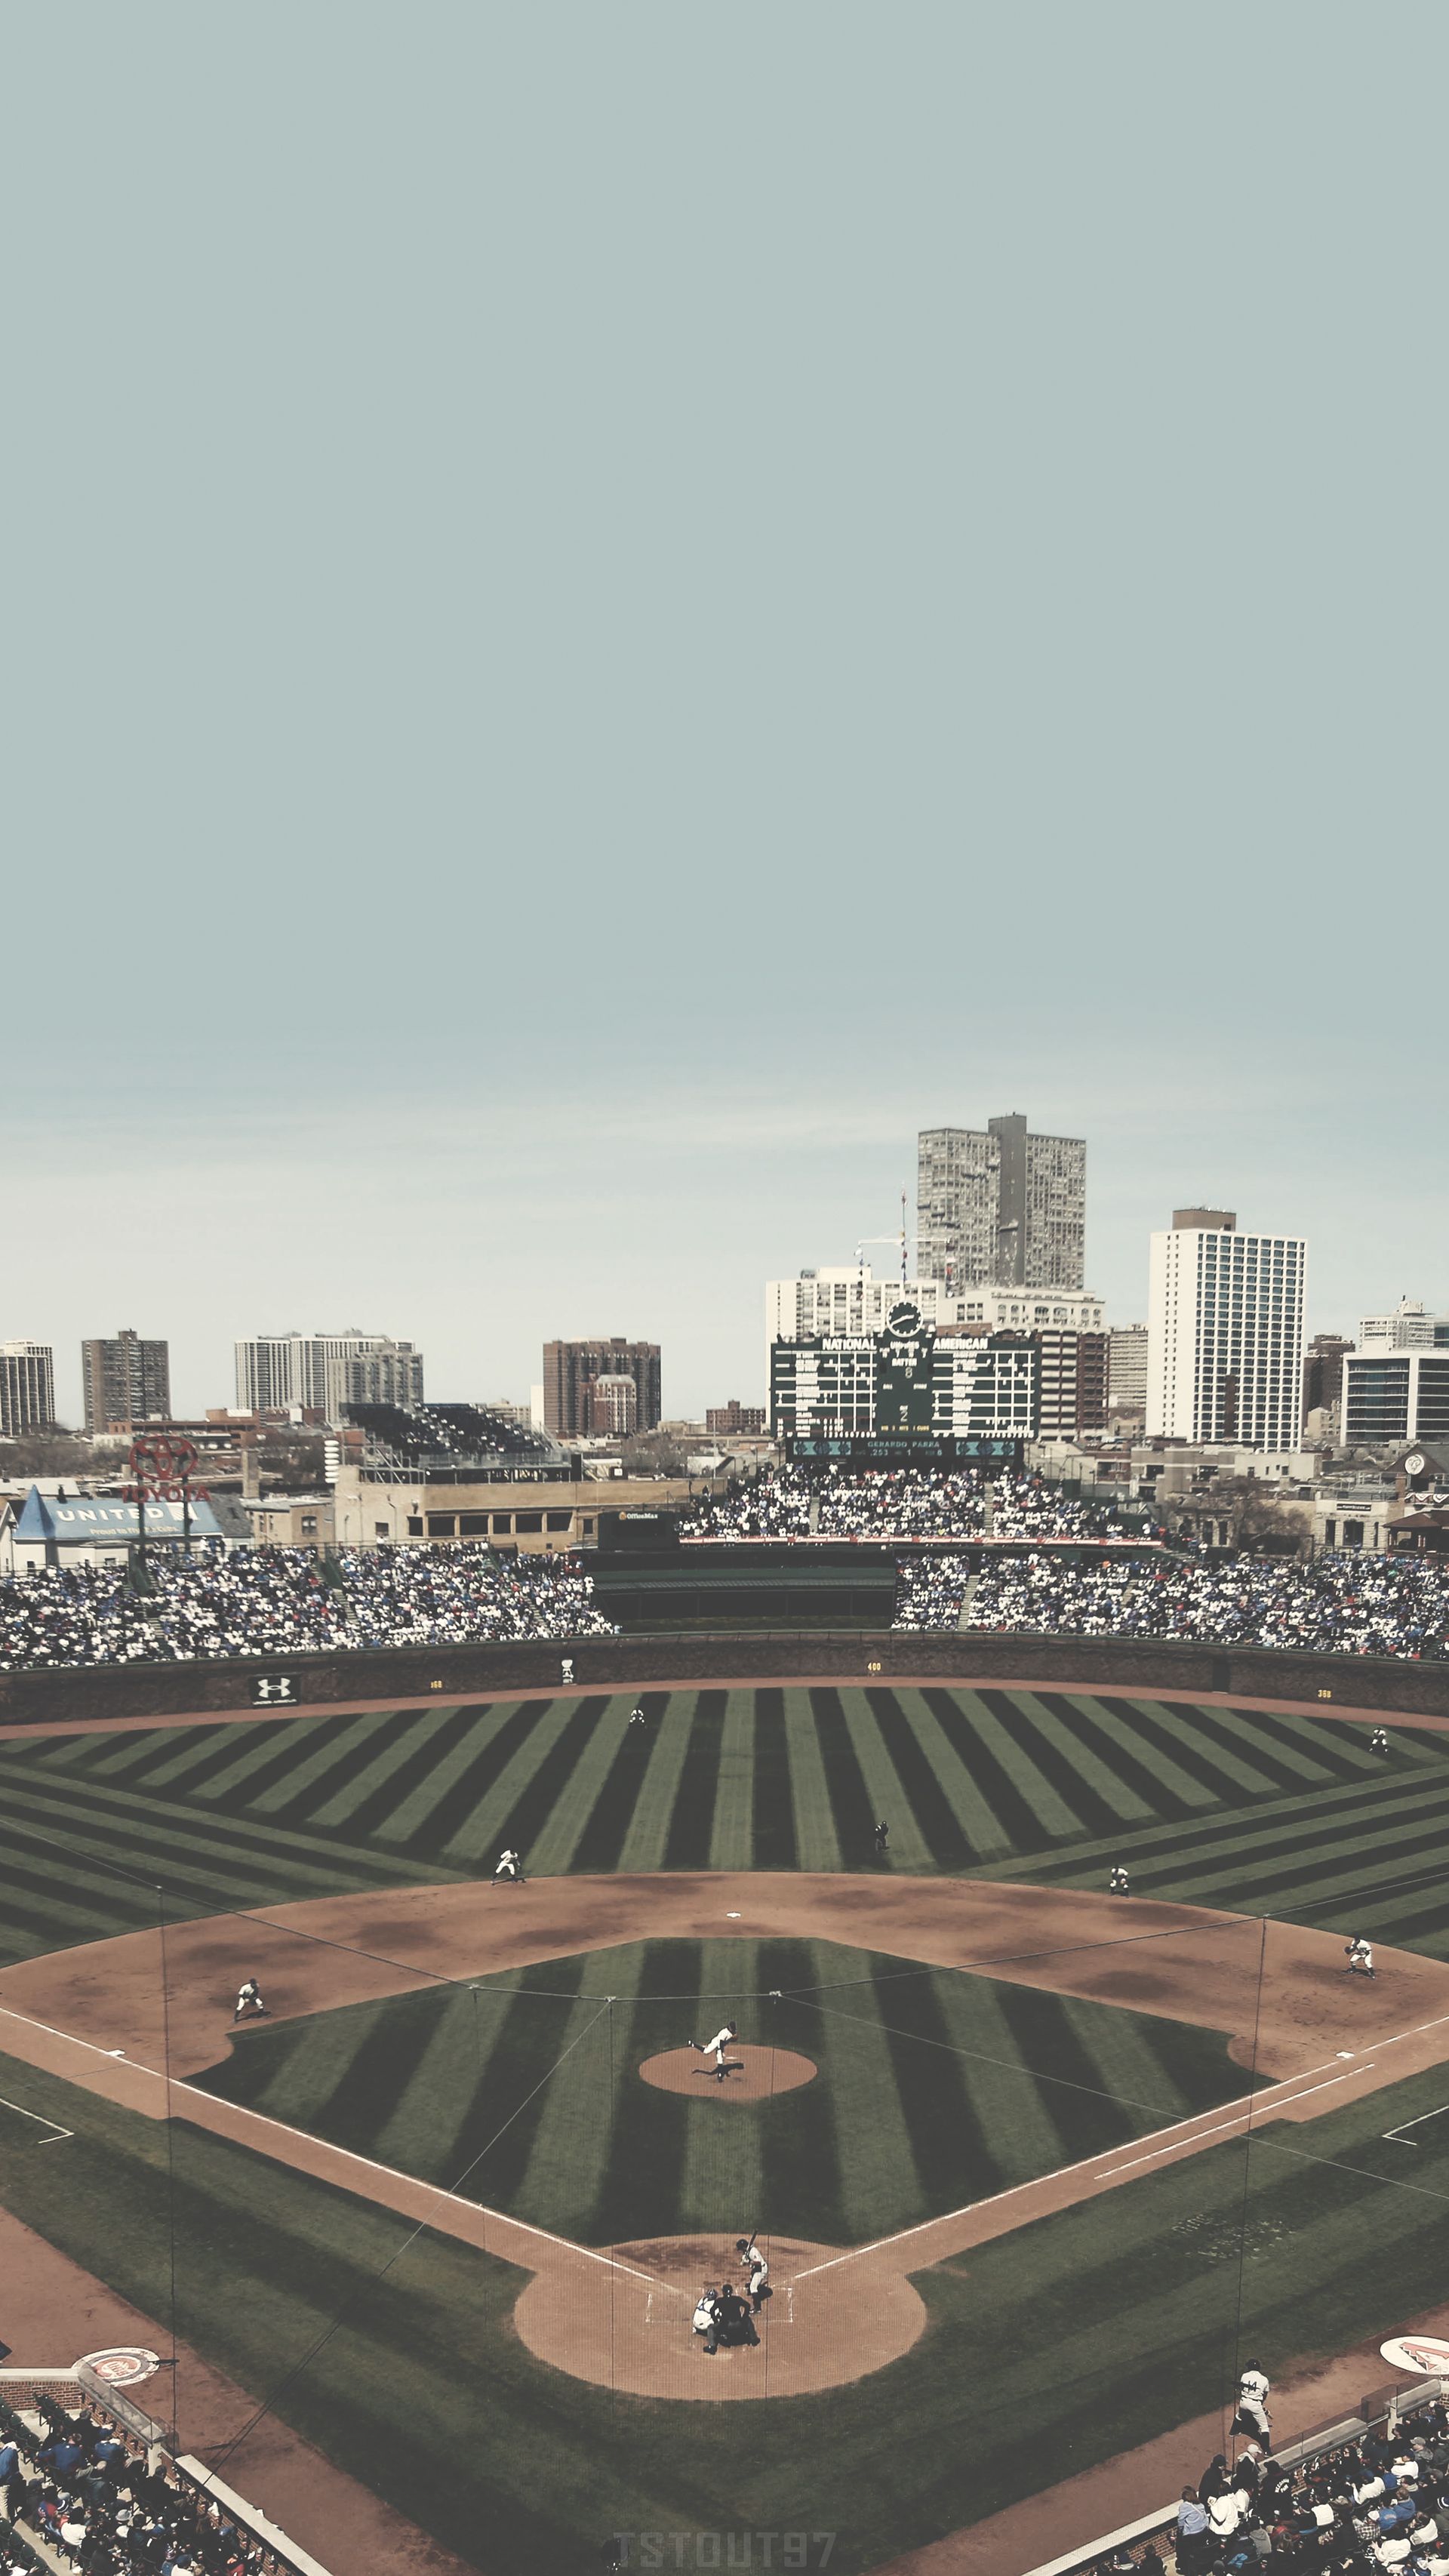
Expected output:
(990, 2123)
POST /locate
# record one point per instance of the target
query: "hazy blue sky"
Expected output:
(606, 610)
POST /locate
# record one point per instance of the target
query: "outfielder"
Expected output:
(510, 1865)
(756, 2267)
(636, 1714)
(249, 1999)
(719, 2044)
(1119, 1883)
(1360, 1956)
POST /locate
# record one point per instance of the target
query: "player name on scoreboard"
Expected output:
(904, 1391)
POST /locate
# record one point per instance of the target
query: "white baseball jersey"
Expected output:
(1255, 2385)
(722, 2040)
(1363, 1951)
(704, 2314)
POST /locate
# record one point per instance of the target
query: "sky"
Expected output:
(607, 611)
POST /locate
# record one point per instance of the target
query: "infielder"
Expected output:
(510, 1865)
(756, 2267)
(719, 2044)
(1360, 1956)
(1378, 1741)
(1119, 1883)
(249, 1999)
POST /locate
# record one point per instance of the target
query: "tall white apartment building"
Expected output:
(1225, 1333)
(851, 1300)
(325, 1371)
(1409, 1328)
(27, 1387)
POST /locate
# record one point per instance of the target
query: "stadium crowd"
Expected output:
(1378, 2506)
(100, 2502)
(897, 1503)
(270, 1601)
(1335, 1604)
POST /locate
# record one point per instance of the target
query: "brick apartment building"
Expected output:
(572, 1370)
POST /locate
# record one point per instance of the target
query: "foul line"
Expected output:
(1253, 2107)
(285, 2129)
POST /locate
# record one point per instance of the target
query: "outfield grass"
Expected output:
(935, 2088)
(1230, 1807)
(1050, 2350)
(1045, 2351)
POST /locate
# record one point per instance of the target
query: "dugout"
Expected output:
(725, 1587)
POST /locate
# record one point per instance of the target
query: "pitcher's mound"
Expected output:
(755, 2074)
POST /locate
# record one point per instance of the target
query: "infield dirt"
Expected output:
(98, 2014)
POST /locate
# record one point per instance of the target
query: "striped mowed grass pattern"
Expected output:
(1233, 1807)
(523, 2092)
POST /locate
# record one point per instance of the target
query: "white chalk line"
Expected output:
(1257, 2104)
(284, 2128)
(7, 2105)
(1279, 2096)
(1398, 2133)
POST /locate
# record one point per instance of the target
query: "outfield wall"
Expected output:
(1369, 1682)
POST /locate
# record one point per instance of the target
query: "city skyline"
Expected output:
(705, 1356)
(570, 903)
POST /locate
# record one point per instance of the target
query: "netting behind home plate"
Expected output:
(419, 2092)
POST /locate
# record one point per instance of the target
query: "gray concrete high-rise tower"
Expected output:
(999, 1204)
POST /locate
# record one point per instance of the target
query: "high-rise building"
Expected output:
(570, 1370)
(1323, 1372)
(322, 1372)
(1127, 1369)
(125, 1379)
(851, 1300)
(1225, 1333)
(1409, 1328)
(1000, 1206)
(1073, 1380)
(27, 1388)
(1390, 1396)
(615, 1407)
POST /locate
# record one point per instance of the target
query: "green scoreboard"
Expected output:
(907, 1392)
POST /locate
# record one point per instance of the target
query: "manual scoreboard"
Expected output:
(905, 1392)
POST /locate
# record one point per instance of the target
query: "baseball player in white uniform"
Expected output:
(1253, 2400)
(249, 2000)
(718, 2047)
(510, 1865)
(1360, 1956)
(757, 2269)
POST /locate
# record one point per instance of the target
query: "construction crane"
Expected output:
(900, 1238)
